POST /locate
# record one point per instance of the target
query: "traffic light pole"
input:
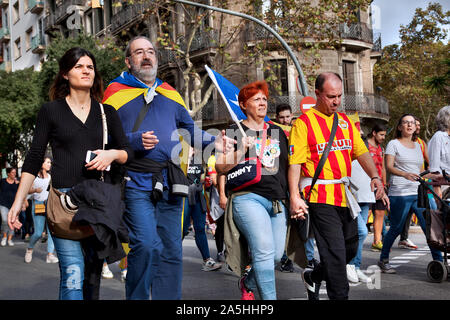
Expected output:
(301, 78)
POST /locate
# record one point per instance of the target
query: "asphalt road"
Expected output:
(39, 280)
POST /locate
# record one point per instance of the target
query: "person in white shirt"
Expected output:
(39, 191)
(439, 147)
(404, 161)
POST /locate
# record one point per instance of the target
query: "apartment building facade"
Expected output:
(22, 34)
(353, 59)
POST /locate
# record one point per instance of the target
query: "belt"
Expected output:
(352, 204)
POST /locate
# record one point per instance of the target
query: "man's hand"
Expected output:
(298, 207)
(223, 143)
(378, 185)
(149, 140)
(386, 202)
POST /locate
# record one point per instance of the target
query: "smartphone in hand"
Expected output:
(91, 156)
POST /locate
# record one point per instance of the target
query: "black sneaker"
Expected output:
(286, 266)
(312, 264)
(312, 288)
(386, 267)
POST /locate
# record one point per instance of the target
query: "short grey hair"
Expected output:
(443, 119)
(128, 47)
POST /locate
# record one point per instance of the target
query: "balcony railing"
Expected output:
(4, 34)
(61, 11)
(36, 6)
(256, 32)
(356, 31)
(202, 41)
(49, 23)
(37, 44)
(128, 15)
(365, 103)
(166, 56)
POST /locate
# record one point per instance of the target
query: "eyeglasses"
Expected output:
(140, 52)
(408, 122)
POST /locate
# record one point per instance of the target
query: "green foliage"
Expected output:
(19, 103)
(109, 58)
(409, 73)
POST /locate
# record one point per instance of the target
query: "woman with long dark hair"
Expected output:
(72, 124)
(404, 161)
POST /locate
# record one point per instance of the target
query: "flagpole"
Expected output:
(301, 77)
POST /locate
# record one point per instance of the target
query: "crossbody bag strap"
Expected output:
(324, 154)
(141, 117)
(105, 133)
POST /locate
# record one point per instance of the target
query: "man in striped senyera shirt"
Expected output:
(331, 208)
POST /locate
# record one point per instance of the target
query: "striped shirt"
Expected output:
(308, 139)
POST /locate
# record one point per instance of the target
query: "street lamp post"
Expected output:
(301, 78)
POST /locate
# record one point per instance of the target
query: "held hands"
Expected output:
(298, 207)
(102, 160)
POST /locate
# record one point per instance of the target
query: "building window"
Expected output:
(278, 68)
(349, 72)
(17, 49)
(28, 39)
(16, 15)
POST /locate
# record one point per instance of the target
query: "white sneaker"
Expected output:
(106, 273)
(3, 243)
(51, 258)
(211, 265)
(28, 256)
(362, 277)
(10, 243)
(351, 274)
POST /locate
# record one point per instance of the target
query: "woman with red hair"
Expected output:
(256, 208)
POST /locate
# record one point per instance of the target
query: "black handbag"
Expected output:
(303, 225)
(248, 171)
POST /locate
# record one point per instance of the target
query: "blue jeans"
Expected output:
(265, 232)
(199, 219)
(400, 206)
(155, 257)
(39, 223)
(362, 233)
(71, 266)
(309, 249)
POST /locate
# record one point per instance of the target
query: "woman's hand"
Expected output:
(246, 143)
(411, 176)
(223, 202)
(103, 159)
(13, 214)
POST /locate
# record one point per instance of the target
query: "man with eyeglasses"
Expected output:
(152, 112)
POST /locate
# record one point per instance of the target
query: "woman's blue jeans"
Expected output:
(199, 220)
(400, 206)
(362, 233)
(39, 223)
(71, 266)
(265, 232)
